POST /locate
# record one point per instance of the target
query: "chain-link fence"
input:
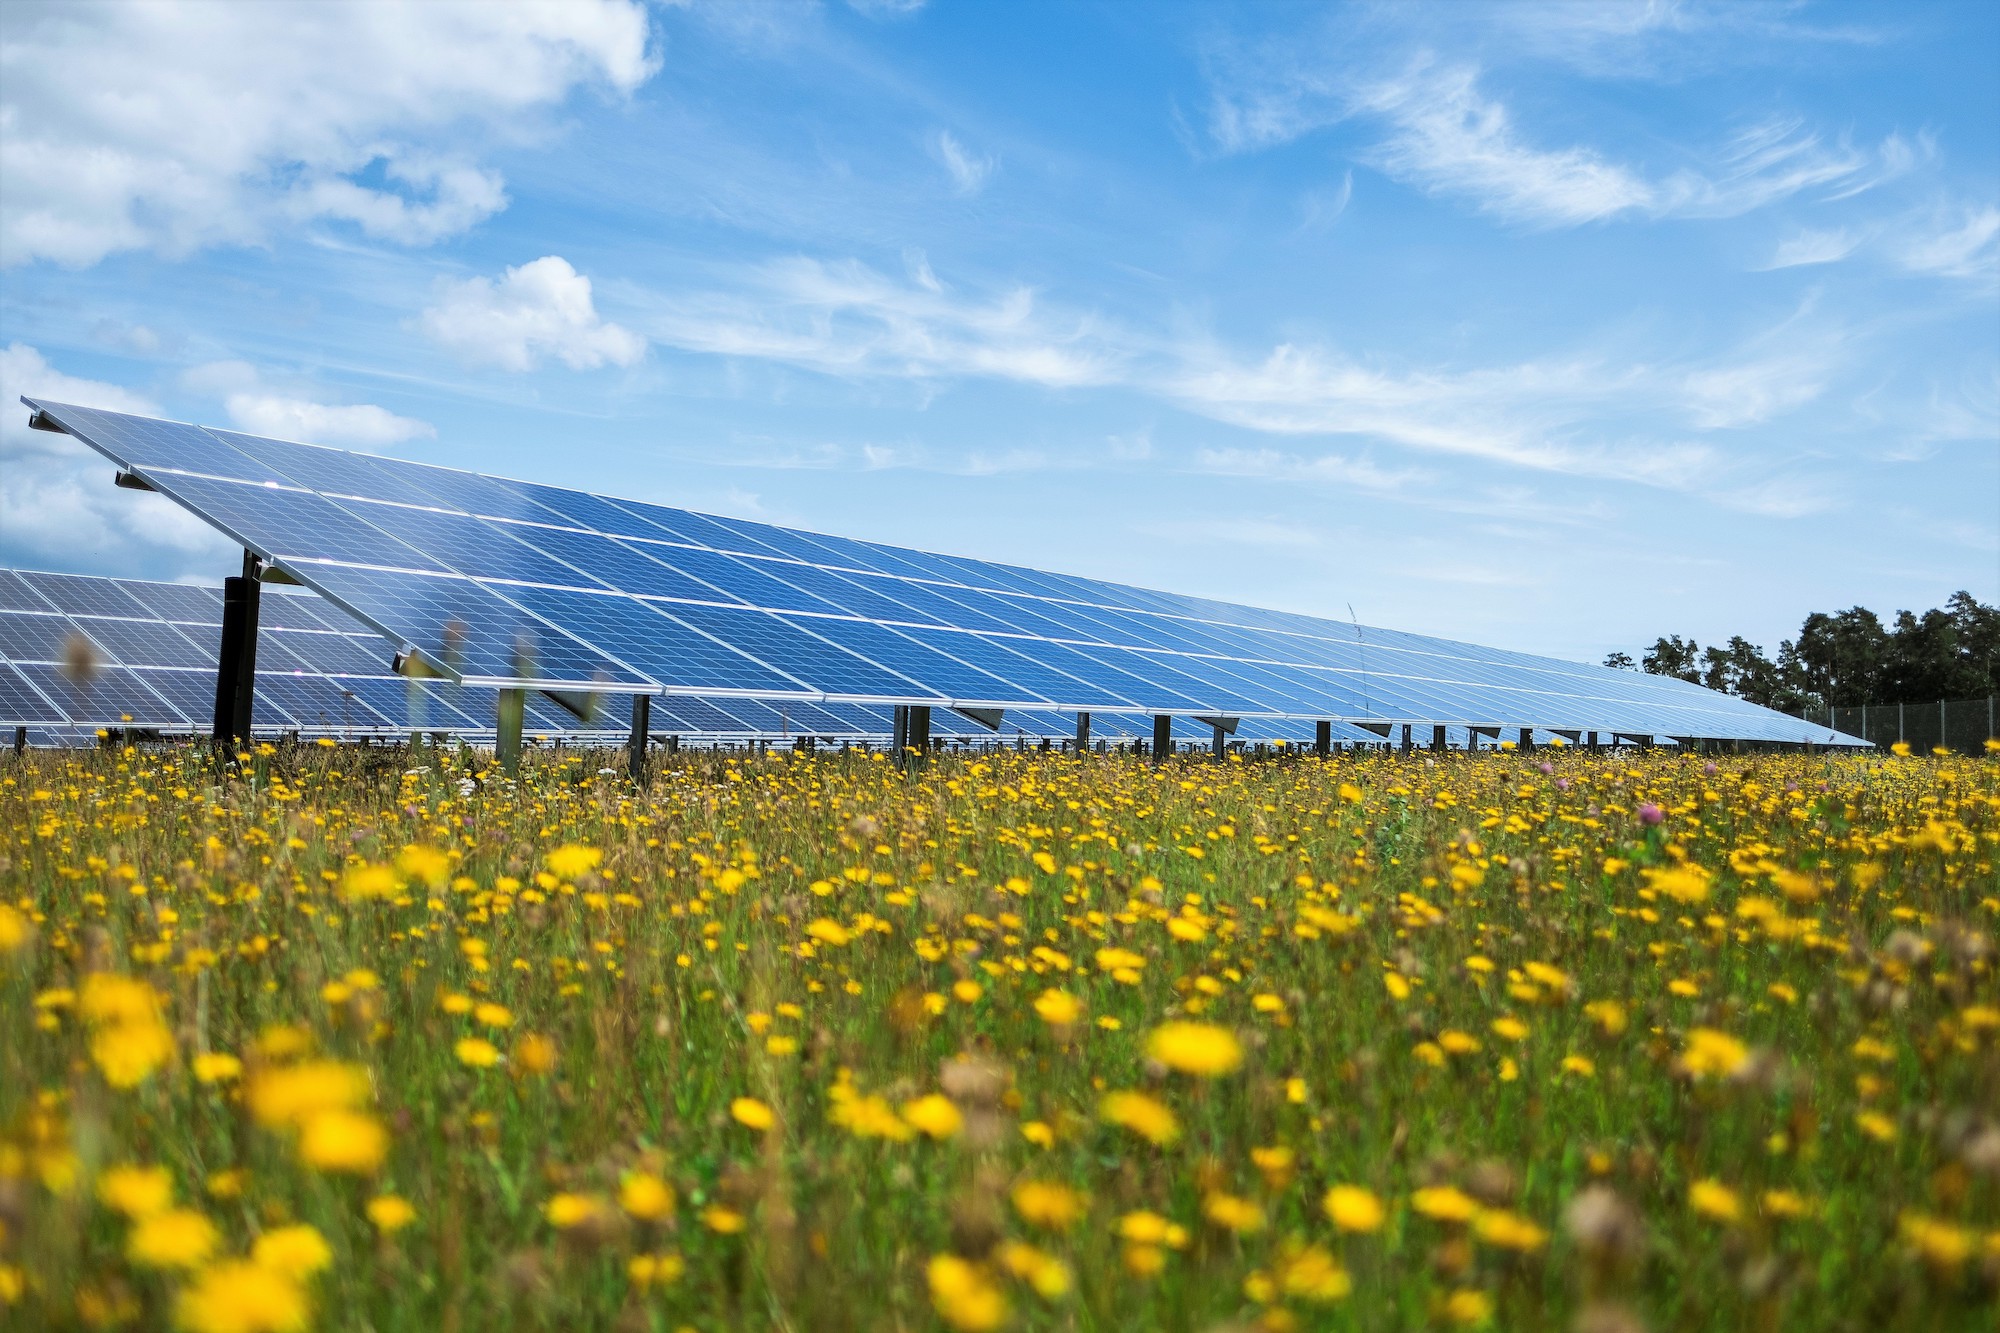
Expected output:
(1957, 724)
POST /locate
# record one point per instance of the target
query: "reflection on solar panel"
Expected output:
(507, 584)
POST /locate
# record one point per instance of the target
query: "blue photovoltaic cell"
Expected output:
(469, 545)
(320, 702)
(298, 524)
(934, 672)
(146, 641)
(1157, 649)
(329, 654)
(823, 666)
(638, 633)
(26, 637)
(80, 595)
(463, 627)
(20, 704)
(192, 693)
(16, 595)
(278, 610)
(181, 601)
(113, 697)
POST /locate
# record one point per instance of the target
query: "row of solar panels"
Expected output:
(81, 653)
(508, 583)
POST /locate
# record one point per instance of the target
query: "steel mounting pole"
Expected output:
(236, 668)
(635, 745)
(1163, 736)
(507, 738)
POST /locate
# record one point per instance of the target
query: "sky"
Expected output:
(1554, 326)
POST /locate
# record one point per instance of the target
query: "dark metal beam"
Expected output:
(1322, 737)
(1082, 733)
(641, 737)
(236, 669)
(1163, 736)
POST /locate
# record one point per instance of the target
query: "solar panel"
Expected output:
(506, 583)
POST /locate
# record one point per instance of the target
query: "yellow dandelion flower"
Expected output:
(934, 1115)
(241, 1297)
(1354, 1209)
(1713, 1054)
(1444, 1203)
(172, 1238)
(567, 1210)
(1058, 1008)
(1201, 1049)
(752, 1114)
(722, 1221)
(1714, 1200)
(297, 1251)
(217, 1067)
(136, 1191)
(1048, 1205)
(1232, 1213)
(1135, 1111)
(572, 862)
(493, 1015)
(1508, 1231)
(350, 1142)
(964, 1296)
(390, 1213)
(645, 1196)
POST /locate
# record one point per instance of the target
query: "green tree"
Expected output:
(1674, 656)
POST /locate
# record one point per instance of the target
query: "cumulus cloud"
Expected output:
(288, 414)
(533, 312)
(188, 123)
(59, 508)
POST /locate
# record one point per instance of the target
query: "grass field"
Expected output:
(1525, 1040)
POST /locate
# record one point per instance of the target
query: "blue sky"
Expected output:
(1554, 326)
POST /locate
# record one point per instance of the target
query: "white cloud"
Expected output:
(1748, 393)
(848, 319)
(1814, 247)
(283, 418)
(539, 310)
(59, 507)
(1448, 137)
(188, 123)
(1965, 250)
(968, 170)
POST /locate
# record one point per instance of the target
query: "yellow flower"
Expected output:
(1713, 1054)
(752, 1114)
(967, 991)
(934, 1115)
(1876, 1126)
(1508, 1231)
(829, 932)
(1609, 1015)
(493, 1015)
(172, 1238)
(477, 1052)
(655, 1270)
(1687, 884)
(1231, 1213)
(1941, 1244)
(567, 1210)
(297, 1251)
(964, 1296)
(645, 1196)
(1038, 1133)
(390, 1213)
(534, 1054)
(1058, 1007)
(289, 1096)
(1468, 1306)
(1512, 1029)
(1581, 1065)
(1444, 1203)
(217, 1067)
(1785, 1203)
(1135, 1111)
(1353, 1208)
(136, 1191)
(15, 930)
(1201, 1049)
(347, 1141)
(241, 1297)
(572, 862)
(1455, 1042)
(1144, 1227)
(1048, 1275)
(128, 1053)
(722, 1221)
(1715, 1200)
(1048, 1205)
(1312, 1274)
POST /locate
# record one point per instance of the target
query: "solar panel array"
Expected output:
(79, 653)
(509, 583)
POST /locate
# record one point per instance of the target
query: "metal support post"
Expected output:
(899, 730)
(236, 671)
(636, 743)
(920, 729)
(1408, 740)
(673, 744)
(507, 737)
(1590, 741)
(1163, 736)
(1083, 733)
(1527, 741)
(1437, 738)
(1219, 743)
(1322, 737)
(20, 740)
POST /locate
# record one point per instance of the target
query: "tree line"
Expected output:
(1846, 658)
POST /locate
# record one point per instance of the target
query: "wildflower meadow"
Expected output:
(344, 1038)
